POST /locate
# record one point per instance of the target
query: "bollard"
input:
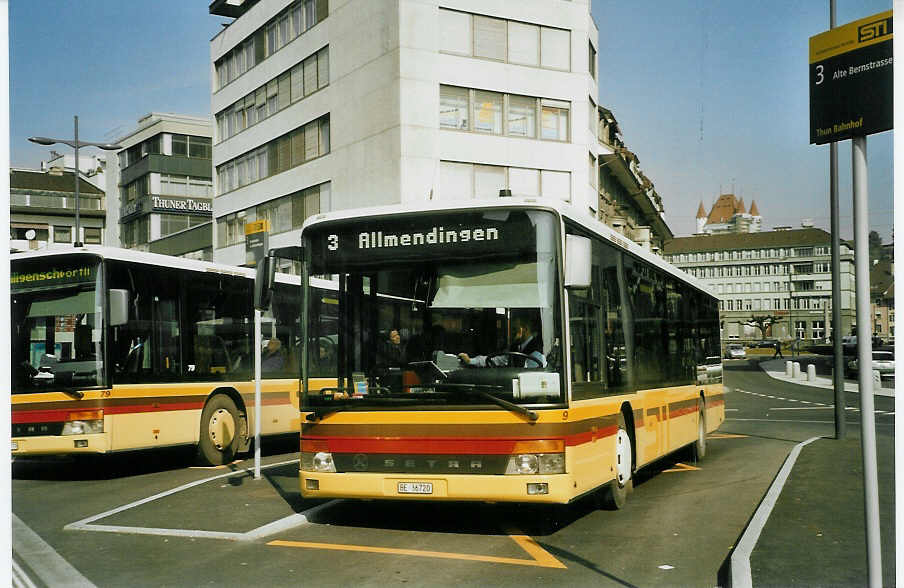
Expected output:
(796, 369)
(788, 369)
(811, 373)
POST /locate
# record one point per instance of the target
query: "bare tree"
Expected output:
(762, 322)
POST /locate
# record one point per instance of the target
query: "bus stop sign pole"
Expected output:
(257, 394)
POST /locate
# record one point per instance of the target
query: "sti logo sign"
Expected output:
(851, 80)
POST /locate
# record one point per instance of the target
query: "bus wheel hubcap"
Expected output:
(623, 457)
(221, 428)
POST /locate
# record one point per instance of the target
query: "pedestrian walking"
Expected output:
(778, 351)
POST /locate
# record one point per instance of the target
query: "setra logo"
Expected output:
(873, 30)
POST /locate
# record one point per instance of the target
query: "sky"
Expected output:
(711, 96)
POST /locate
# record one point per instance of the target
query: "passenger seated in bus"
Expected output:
(273, 358)
(526, 349)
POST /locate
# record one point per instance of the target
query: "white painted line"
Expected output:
(193, 533)
(82, 524)
(46, 563)
(280, 525)
(740, 558)
(800, 408)
(284, 524)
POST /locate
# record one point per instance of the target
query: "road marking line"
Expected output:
(726, 436)
(529, 545)
(268, 529)
(800, 407)
(741, 575)
(46, 563)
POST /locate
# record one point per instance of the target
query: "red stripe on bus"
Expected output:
(444, 446)
(62, 414)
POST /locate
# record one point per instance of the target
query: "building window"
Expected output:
(270, 38)
(592, 58)
(467, 180)
(284, 214)
(302, 80)
(483, 111)
(520, 43)
(301, 145)
(62, 234)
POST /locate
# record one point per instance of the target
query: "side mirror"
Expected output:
(263, 282)
(119, 306)
(578, 261)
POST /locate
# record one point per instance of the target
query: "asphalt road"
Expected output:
(151, 519)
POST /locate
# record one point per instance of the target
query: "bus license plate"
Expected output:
(415, 488)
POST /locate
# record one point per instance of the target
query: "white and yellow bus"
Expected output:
(543, 356)
(115, 350)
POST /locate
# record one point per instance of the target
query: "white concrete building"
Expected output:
(324, 105)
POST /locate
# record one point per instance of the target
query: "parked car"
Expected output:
(735, 351)
(883, 362)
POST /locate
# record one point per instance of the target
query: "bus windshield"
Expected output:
(439, 321)
(56, 323)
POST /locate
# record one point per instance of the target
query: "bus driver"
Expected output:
(526, 349)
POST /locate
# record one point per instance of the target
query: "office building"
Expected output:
(160, 187)
(785, 273)
(332, 105)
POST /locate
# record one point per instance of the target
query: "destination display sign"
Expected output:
(51, 273)
(400, 238)
(851, 80)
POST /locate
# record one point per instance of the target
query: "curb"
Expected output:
(739, 561)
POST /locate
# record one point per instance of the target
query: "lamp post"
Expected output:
(75, 143)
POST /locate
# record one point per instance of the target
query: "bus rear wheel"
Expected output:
(615, 494)
(222, 430)
(698, 449)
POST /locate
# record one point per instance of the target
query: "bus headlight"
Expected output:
(552, 463)
(529, 463)
(84, 423)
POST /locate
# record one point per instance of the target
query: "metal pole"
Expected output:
(865, 361)
(257, 394)
(838, 353)
(78, 225)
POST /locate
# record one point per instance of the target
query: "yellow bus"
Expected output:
(509, 350)
(115, 350)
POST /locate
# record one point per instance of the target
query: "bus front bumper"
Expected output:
(61, 444)
(548, 489)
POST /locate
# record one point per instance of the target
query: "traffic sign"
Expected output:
(851, 80)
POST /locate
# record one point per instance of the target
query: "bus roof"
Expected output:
(562, 209)
(156, 259)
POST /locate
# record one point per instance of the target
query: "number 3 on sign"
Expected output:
(332, 242)
(819, 75)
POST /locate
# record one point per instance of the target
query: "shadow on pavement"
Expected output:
(131, 463)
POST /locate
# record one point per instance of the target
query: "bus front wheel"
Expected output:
(222, 429)
(615, 493)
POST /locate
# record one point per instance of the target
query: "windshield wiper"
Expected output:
(379, 393)
(475, 389)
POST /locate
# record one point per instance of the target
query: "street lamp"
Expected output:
(75, 143)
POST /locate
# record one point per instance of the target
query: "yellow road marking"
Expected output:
(682, 467)
(541, 558)
(726, 436)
